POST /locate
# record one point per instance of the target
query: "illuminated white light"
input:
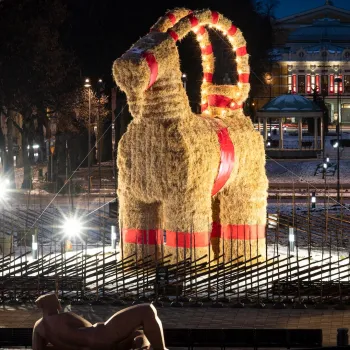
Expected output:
(199, 37)
(313, 199)
(72, 227)
(325, 165)
(232, 104)
(291, 234)
(269, 144)
(4, 187)
(87, 83)
(184, 75)
(195, 30)
(327, 159)
(35, 245)
(36, 146)
(36, 154)
(204, 80)
(268, 134)
(335, 145)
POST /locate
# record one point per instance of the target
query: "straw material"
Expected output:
(169, 158)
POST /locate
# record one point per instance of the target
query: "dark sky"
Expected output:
(289, 7)
(103, 30)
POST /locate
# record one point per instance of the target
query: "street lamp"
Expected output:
(338, 81)
(87, 84)
(97, 134)
(184, 79)
(52, 141)
(269, 81)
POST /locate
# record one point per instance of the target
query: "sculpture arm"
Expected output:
(38, 342)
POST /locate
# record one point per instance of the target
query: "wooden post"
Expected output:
(315, 134)
(300, 132)
(281, 133)
(265, 129)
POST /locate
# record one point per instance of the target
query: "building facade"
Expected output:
(312, 50)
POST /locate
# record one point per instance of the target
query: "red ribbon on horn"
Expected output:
(153, 67)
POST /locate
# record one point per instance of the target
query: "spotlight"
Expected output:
(269, 144)
(4, 188)
(327, 159)
(335, 144)
(72, 227)
(113, 236)
(313, 200)
(325, 165)
(35, 245)
(291, 239)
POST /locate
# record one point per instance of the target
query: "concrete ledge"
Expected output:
(292, 154)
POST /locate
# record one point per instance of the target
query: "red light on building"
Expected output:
(317, 83)
(294, 83)
(308, 83)
(331, 83)
(340, 84)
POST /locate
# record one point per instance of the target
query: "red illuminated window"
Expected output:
(331, 83)
(317, 83)
(294, 83)
(308, 83)
(340, 84)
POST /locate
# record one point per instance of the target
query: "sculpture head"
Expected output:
(49, 303)
(146, 67)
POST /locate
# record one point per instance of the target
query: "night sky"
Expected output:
(288, 7)
(100, 31)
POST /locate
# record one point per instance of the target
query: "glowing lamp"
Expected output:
(72, 227)
(87, 83)
(313, 200)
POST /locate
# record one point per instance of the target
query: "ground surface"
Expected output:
(329, 320)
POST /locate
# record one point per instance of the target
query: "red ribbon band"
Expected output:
(171, 17)
(243, 78)
(187, 239)
(219, 101)
(232, 30)
(243, 232)
(241, 51)
(227, 158)
(201, 30)
(153, 67)
(207, 50)
(193, 20)
(138, 236)
(173, 35)
(196, 239)
(204, 106)
(222, 101)
(214, 17)
(208, 77)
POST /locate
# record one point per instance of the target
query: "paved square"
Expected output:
(329, 320)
